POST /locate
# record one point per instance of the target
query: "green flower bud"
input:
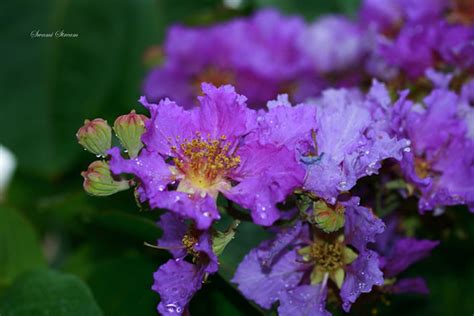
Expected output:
(98, 180)
(95, 136)
(327, 217)
(129, 129)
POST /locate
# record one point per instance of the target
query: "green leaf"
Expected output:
(311, 9)
(50, 85)
(122, 285)
(19, 247)
(44, 292)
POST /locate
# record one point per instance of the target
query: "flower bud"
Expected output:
(95, 136)
(129, 129)
(327, 217)
(98, 180)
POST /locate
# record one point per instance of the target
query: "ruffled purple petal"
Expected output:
(264, 183)
(149, 167)
(360, 277)
(176, 281)
(303, 300)
(204, 246)
(202, 210)
(168, 124)
(361, 225)
(174, 228)
(224, 112)
(264, 285)
(285, 125)
(270, 251)
(406, 252)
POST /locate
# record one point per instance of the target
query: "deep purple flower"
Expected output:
(259, 55)
(178, 280)
(385, 15)
(354, 149)
(278, 270)
(397, 254)
(412, 50)
(192, 155)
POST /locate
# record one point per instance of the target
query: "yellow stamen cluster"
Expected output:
(422, 168)
(205, 161)
(328, 256)
(189, 241)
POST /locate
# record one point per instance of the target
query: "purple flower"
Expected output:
(349, 151)
(398, 253)
(438, 134)
(412, 50)
(192, 155)
(385, 15)
(259, 55)
(296, 265)
(456, 45)
(333, 44)
(178, 280)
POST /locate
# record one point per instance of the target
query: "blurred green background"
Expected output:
(65, 253)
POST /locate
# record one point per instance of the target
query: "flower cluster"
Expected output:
(301, 170)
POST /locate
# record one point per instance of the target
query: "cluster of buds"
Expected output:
(96, 137)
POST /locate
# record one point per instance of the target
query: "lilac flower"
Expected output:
(192, 155)
(333, 44)
(349, 151)
(178, 280)
(278, 270)
(438, 134)
(259, 55)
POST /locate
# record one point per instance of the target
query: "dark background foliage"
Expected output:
(65, 253)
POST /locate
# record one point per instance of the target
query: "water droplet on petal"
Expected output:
(206, 214)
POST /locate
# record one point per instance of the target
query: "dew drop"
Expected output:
(407, 149)
(172, 308)
(206, 214)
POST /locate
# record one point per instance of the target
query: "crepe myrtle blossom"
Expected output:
(192, 155)
(295, 267)
(440, 166)
(178, 280)
(351, 140)
(259, 55)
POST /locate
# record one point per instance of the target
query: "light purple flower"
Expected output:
(438, 134)
(353, 149)
(275, 271)
(192, 155)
